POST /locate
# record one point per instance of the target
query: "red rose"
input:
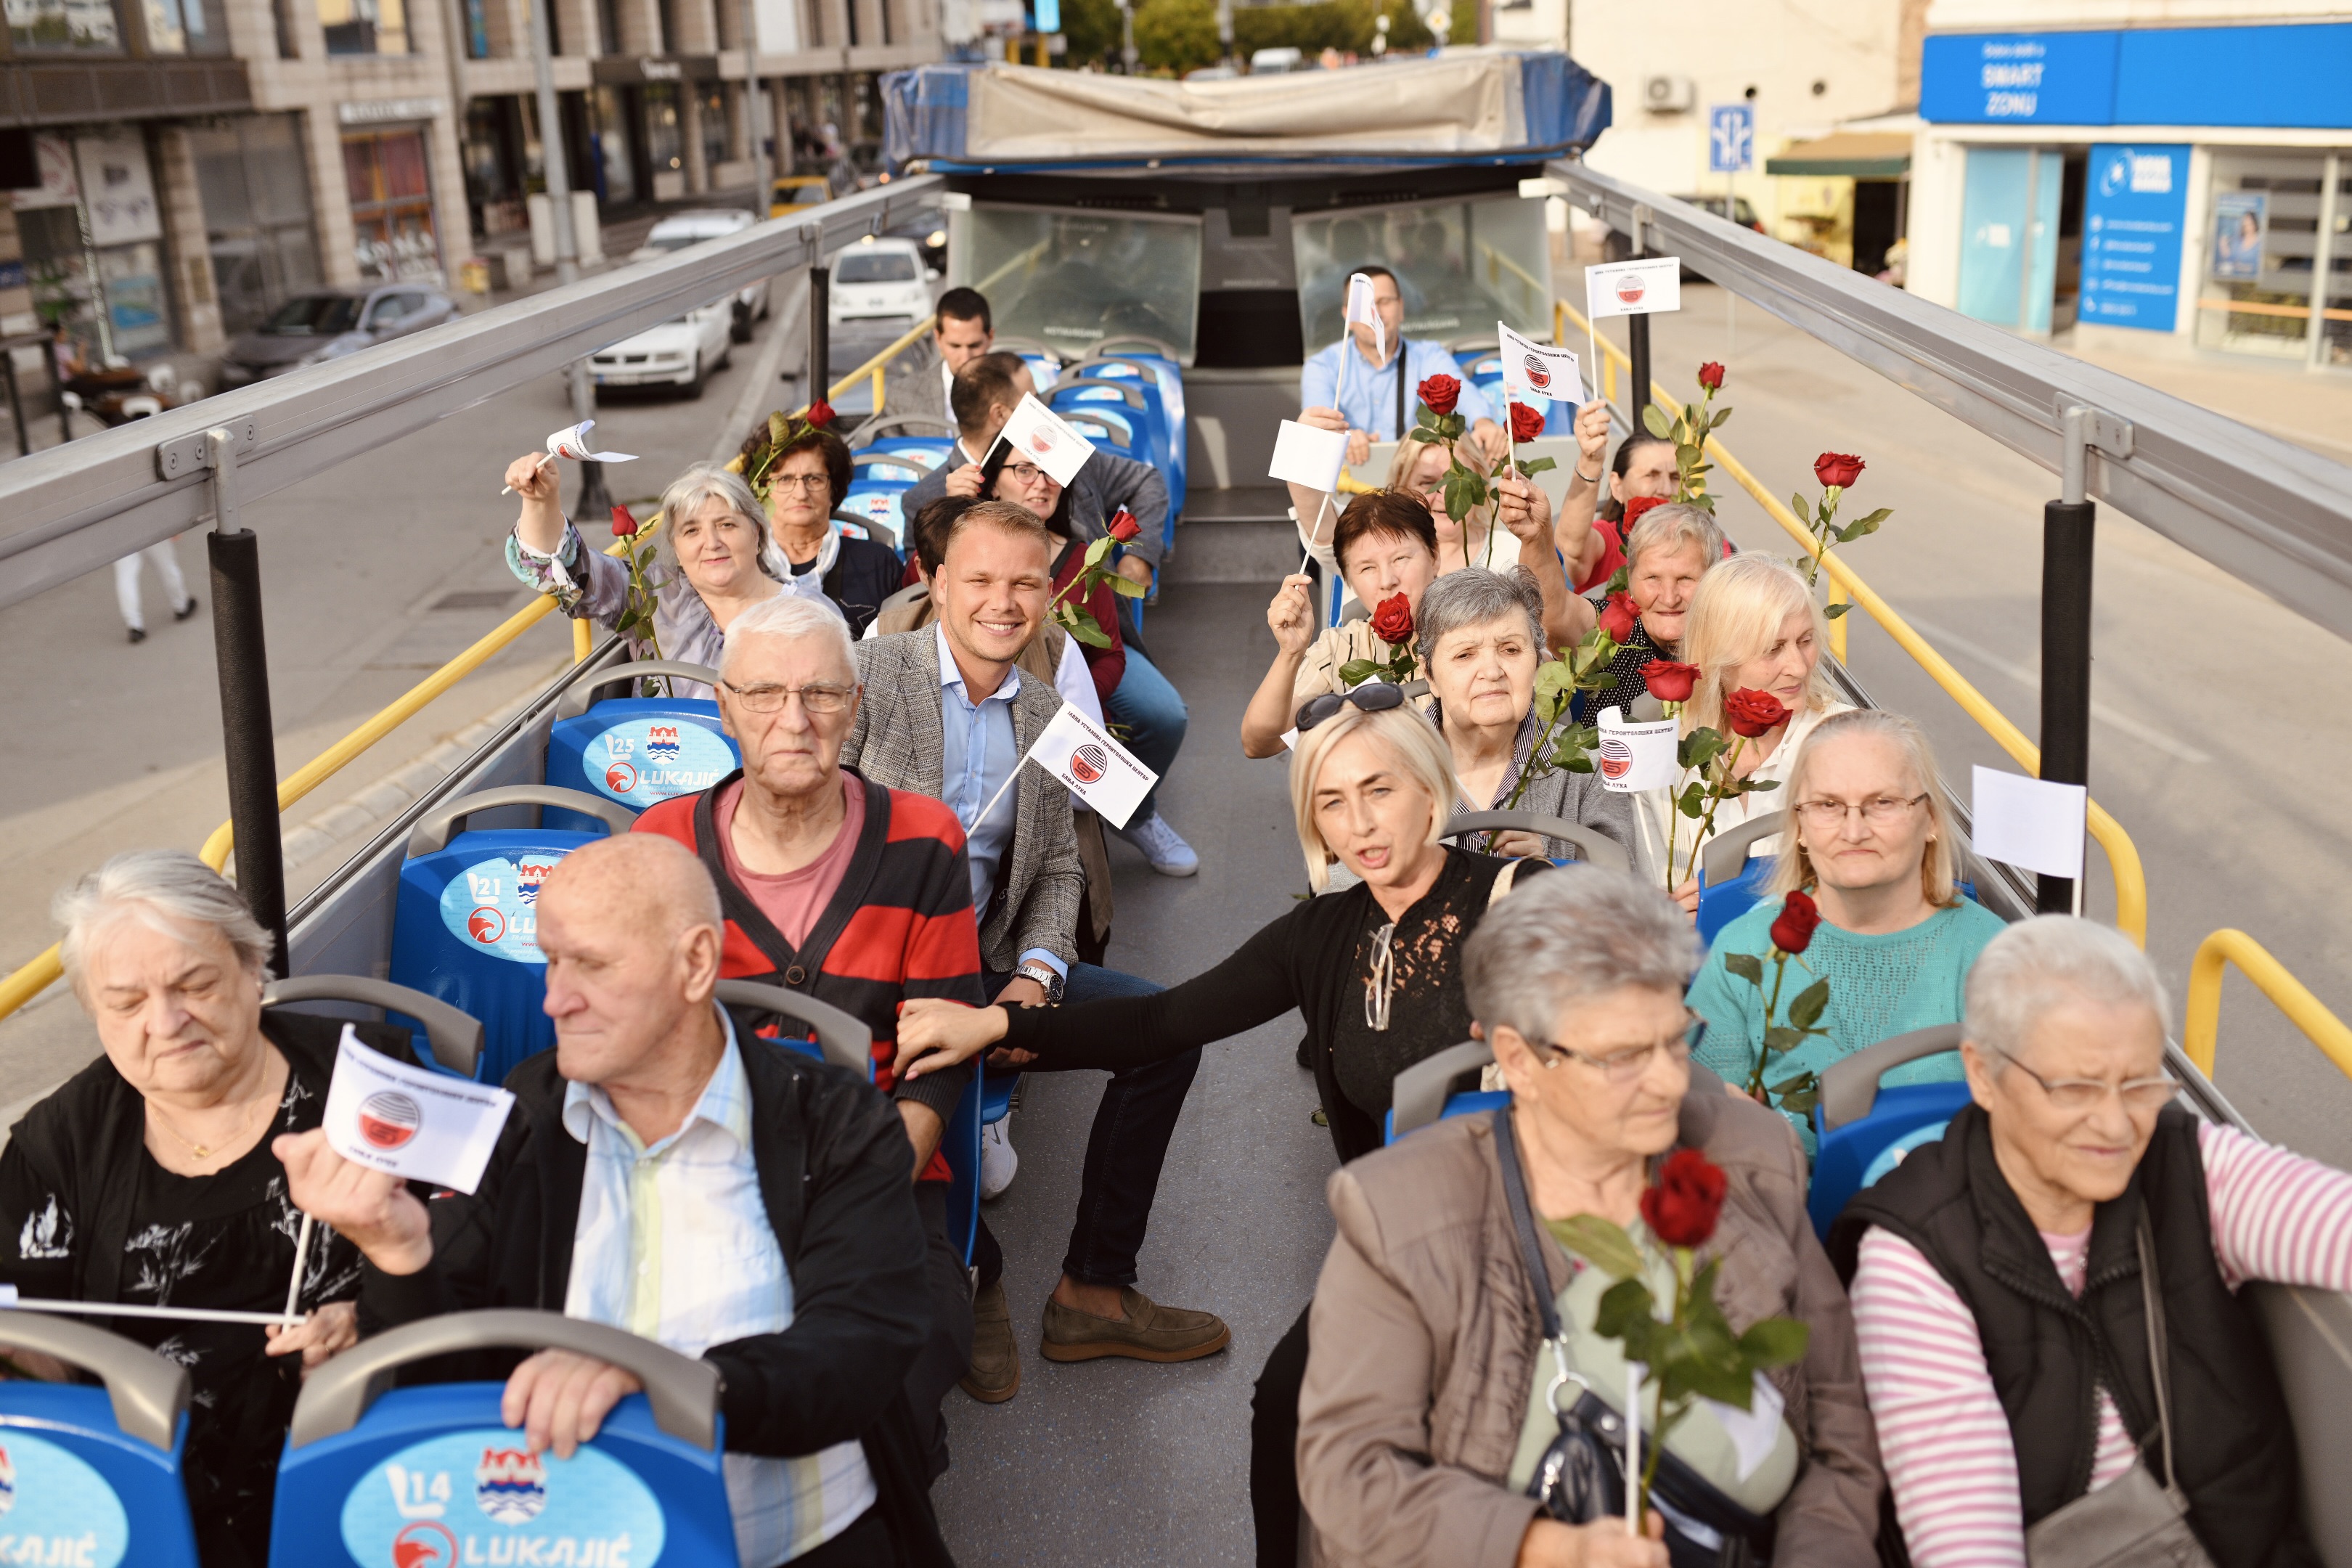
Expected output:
(820, 413)
(1710, 376)
(1123, 526)
(1669, 681)
(1839, 469)
(1751, 712)
(1636, 507)
(1392, 621)
(1441, 392)
(1618, 618)
(623, 525)
(1681, 1209)
(1526, 423)
(1793, 932)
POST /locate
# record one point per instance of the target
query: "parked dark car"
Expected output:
(327, 323)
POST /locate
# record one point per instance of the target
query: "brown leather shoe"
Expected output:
(994, 1375)
(1149, 1332)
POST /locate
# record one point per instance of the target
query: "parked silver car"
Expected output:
(327, 323)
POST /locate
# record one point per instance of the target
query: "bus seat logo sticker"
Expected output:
(425, 1545)
(661, 742)
(510, 1485)
(389, 1120)
(492, 906)
(641, 762)
(56, 1508)
(530, 874)
(589, 1511)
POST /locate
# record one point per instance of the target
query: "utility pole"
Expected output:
(1224, 33)
(1126, 36)
(594, 502)
(753, 118)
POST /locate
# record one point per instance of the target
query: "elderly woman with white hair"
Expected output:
(1428, 1405)
(2047, 1296)
(1875, 850)
(1375, 968)
(147, 1177)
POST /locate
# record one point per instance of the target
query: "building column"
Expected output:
(188, 252)
(330, 196)
(698, 169)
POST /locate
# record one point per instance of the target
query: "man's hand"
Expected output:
(1135, 568)
(1514, 844)
(1592, 439)
(935, 1033)
(559, 1399)
(373, 1210)
(1291, 616)
(1360, 446)
(964, 482)
(1523, 508)
(326, 1331)
(1603, 1543)
(1491, 440)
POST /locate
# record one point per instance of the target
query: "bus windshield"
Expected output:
(1073, 279)
(1462, 266)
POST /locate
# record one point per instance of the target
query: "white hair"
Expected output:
(1572, 936)
(2045, 963)
(789, 616)
(171, 891)
(703, 482)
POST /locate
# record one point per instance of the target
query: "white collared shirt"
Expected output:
(672, 1244)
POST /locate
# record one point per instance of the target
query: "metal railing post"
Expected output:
(2069, 531)
(820, 310)
(1637, 335)
(248, 741)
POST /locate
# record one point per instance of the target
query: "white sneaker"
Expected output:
(998, 1159)
(1169, 854)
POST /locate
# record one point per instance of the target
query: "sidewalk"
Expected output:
(2310, 408)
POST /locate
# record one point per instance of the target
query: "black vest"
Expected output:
(2050, 1354)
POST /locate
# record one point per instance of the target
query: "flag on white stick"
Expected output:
(573, 443)
(1363, 311)
(1637, 756)
(1098, 769)
(1035, 432)
(412, 1121)
(1538, 370)
(1304, 455)
(1640, 287)
(2032, 824)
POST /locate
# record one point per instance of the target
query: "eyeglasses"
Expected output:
(1879, 811)
(1372, 697)
(1024, 473)
(799, 482)
(2080, 1094)
(1626, 1063)
(822, 700)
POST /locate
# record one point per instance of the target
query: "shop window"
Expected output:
(494, 166)
(392, 206)
(477, 30)
(664, 140)
(255, 190)
(608, 140)
(186, 27)
(93, 254)
(715, 122)
(365, 27)
(45, 25)
(608, 23)
(2263, 239)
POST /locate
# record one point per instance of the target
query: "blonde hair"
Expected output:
(1735, 616)
(1938, 863)
(1411, 742)
(1400, 465)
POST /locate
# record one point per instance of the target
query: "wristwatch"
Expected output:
(1045, 976)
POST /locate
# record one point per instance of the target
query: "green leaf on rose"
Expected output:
(1126, 587)
(1775, 1342)
(1779, 1039)
(1627, 1312)
(1531, 467)
(1654, 420)
(1088, 631)
(1806, 1010)
(1838, 609)
(1099, 549)
(1746, 965)
(1604, 1243)
(1721, 415)
(1356, 671)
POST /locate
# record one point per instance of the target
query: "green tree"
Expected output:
(1176, 34)
(1092, 28)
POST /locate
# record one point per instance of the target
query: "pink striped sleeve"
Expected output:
(2276, 1216)
(1941, 1430)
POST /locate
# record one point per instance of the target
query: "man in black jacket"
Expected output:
(658, 1140)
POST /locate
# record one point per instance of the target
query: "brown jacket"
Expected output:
(1425, 1334)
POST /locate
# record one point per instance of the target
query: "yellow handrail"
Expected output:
(2123, 857)
(36, 976)
(2200, 1029)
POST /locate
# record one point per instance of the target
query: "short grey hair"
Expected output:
(1569, 936)
(172, 891)
(1672, 526)
(2045, 963)
(1471, 598)
(789, 616)
(703, 482)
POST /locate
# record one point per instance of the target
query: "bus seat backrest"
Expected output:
(1863, 1128)
(1420, 1093)
(93, 1474)
(451, 1039)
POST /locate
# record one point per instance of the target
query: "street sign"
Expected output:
(1731, 138)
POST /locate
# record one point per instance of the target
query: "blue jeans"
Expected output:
(1124, 1151)
(1153, 711)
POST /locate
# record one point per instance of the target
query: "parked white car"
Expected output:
(681, 352)
(679, 230)
(881, 279)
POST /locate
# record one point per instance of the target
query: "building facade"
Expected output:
(2130, 167)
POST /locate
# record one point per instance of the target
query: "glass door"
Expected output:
(2009, 235)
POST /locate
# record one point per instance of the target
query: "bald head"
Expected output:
(641, 883)
(631, 930)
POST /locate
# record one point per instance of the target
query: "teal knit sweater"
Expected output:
(1879, 986)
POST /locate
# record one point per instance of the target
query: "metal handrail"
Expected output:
(2123, 855)
(2201, 1024)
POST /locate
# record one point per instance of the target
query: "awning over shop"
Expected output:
(1856, 154)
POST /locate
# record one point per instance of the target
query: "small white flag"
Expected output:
(1306, 456)
(1634, 287)
(573, 442)
(1637, 756)
(1036, 434)
(1098, 769)
(412, 1121)
(2031, 824)
(1538, 370)
(1363, 311)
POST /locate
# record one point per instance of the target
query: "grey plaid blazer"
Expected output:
(898, 742)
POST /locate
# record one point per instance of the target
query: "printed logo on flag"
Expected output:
(58, 1509)
(1630, 288)
(1539, 373)
(510, 1485)
(389, 1118)
(491, 905)
(1089, 762)
(640, 763)
(1616, 757)
(1059, 450)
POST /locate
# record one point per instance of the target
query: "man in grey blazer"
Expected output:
(946, 713)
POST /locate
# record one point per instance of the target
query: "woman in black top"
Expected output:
(1376, 969)
(804, 486)
(147, 1178)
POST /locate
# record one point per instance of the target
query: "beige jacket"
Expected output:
(1424, 1332)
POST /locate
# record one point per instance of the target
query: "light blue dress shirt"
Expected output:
(978, 754)
(1371, 396)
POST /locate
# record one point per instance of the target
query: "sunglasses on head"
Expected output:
(1372, 697)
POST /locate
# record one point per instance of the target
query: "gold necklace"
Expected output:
(203, 1151)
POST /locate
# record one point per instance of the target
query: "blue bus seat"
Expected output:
(429, 1477)
(960, 1144)
(1108, 431)
(451, 1041)
(880, 433)
(464, 926)
(892, 466)
(1729, 882)
(871, 510)
(1598, 847)
(635, 751)
(1158, 371)
(1423, 1093)
(1044, 369)
(93, 1474)
(833, 1035)
(1863, 1130)
(1136, 402)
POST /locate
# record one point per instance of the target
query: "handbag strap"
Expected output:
(1523, 1221)
(2160, 1358)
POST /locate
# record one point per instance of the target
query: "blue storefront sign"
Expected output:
(2133, 204)
(2285, 75)
(2019, 78)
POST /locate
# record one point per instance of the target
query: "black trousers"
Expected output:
(865, 1544)
(946, 1356)
(1273, 1449)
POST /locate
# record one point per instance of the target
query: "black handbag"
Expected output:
(1581, 1476)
